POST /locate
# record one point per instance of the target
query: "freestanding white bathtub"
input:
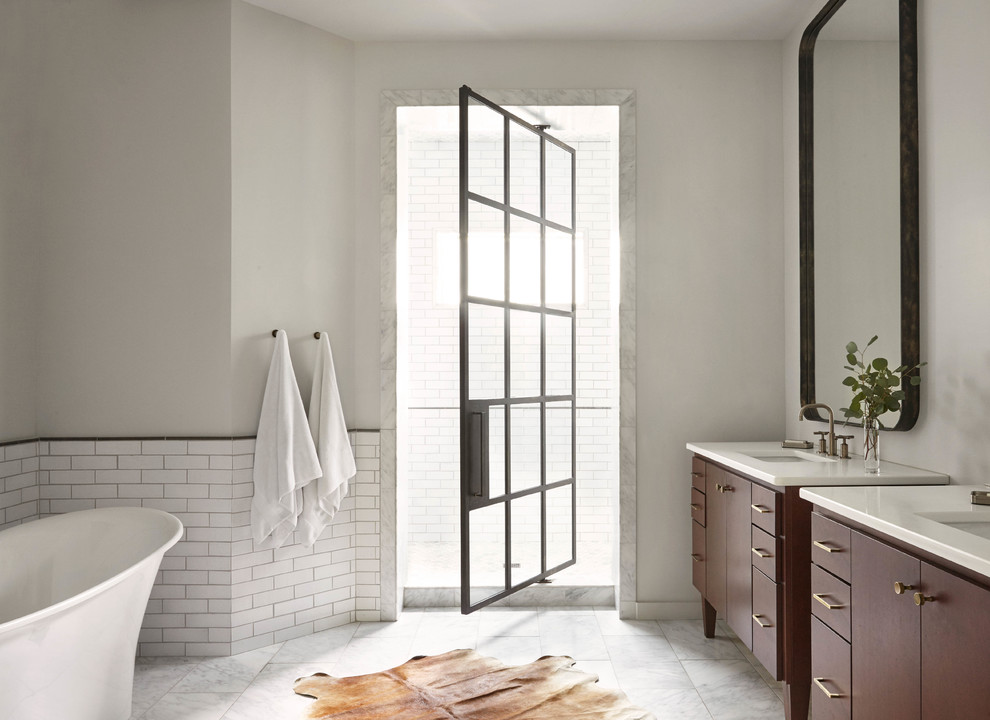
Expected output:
(73, 591)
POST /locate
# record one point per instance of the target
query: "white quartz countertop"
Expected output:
(940, 520)
(769, 462)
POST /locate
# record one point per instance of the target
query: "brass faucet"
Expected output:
(831, 424)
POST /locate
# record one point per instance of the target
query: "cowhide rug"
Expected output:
(463, 685)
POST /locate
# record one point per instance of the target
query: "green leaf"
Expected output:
(851, 359)
(880, 363)
(851, 348)
(915, 380)
(872, 340)
(849, 382)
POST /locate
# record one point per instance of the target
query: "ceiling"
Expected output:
(474, 20)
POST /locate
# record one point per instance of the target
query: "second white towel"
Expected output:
(322, 497)
(285, 457)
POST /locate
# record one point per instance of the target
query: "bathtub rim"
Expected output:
(104, 585)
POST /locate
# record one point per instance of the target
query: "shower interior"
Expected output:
(427, 359)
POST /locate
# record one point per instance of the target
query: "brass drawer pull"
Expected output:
(757, 616)
(920, 599)
(728, 488)
(695, 506)
(696, 557)
(821, 686)
(900, 587)
(697, 474)
(825, 547)
(819, 598)
(761, 509)
(761, 553)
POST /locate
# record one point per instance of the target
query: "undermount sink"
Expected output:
(790, 456)
(975, 523)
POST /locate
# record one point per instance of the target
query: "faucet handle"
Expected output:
(822, 434)
(844, 450)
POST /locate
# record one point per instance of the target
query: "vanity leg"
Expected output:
(708, 618)
(797, 699)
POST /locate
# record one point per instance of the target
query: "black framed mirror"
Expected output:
(858, 156)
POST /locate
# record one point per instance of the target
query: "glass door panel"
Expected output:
(486, 151)
(559, 441)
(559, 185)
(486, 352)
(524, 261)
(496, 451)
(486, 252)
(527, 549)
(526, 452)
(559, 351)
(524, 353)
(524, 176)
(559, 278)
(487, 552)
(560, 525)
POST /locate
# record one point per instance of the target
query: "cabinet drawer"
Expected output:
(698, 550)
(766, 604)
(698, 474)
(766, 553)
(766, 509)
(830, 601)
(831, 673)
(698, 506)
(830, 545)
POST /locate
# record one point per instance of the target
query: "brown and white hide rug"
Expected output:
(463, 685)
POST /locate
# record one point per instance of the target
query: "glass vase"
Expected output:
(871, 445)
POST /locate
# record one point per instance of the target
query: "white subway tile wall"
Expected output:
(432, 384)
(216, 593)
(18, 483)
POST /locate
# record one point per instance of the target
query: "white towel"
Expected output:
(285, 457)
(322, 497)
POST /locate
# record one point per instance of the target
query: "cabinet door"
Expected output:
(955, 647)
(886, 633)
(739, 557)
(715, 538)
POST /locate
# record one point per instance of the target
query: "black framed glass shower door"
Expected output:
(517, 353)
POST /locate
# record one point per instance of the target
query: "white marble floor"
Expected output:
(667, 667)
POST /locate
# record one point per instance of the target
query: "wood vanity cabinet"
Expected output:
(738, 553)
(911, 641)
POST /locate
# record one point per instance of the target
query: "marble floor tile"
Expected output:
(270, 696)
(610, 624)
(325, 646)
(602, 669)
(406, 626)
(688, 640)
(369, 655)
(511, 650)
(153, 677)
(668, 675)
(627, 650)
(226, 674)
(670, 704)
(573, 634)
(191, 706)
(508, 623)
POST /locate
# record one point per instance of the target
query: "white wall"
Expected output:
(133, 309)
(19, 192)
(708, 240)
(954, 63)
(292, 207)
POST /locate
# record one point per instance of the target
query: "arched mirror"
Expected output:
(858, 110)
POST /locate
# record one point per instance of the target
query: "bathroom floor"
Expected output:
(667, 667)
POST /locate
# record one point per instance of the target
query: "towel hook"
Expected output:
(275, 332)
(317, 335)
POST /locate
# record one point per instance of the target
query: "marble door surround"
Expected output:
(391, 591)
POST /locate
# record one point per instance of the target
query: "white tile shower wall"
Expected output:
(433, 393)
(215, 593)
(18, 483)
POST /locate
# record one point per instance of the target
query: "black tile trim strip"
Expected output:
(117, 438)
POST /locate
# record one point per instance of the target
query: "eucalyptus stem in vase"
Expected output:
(877, 389)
